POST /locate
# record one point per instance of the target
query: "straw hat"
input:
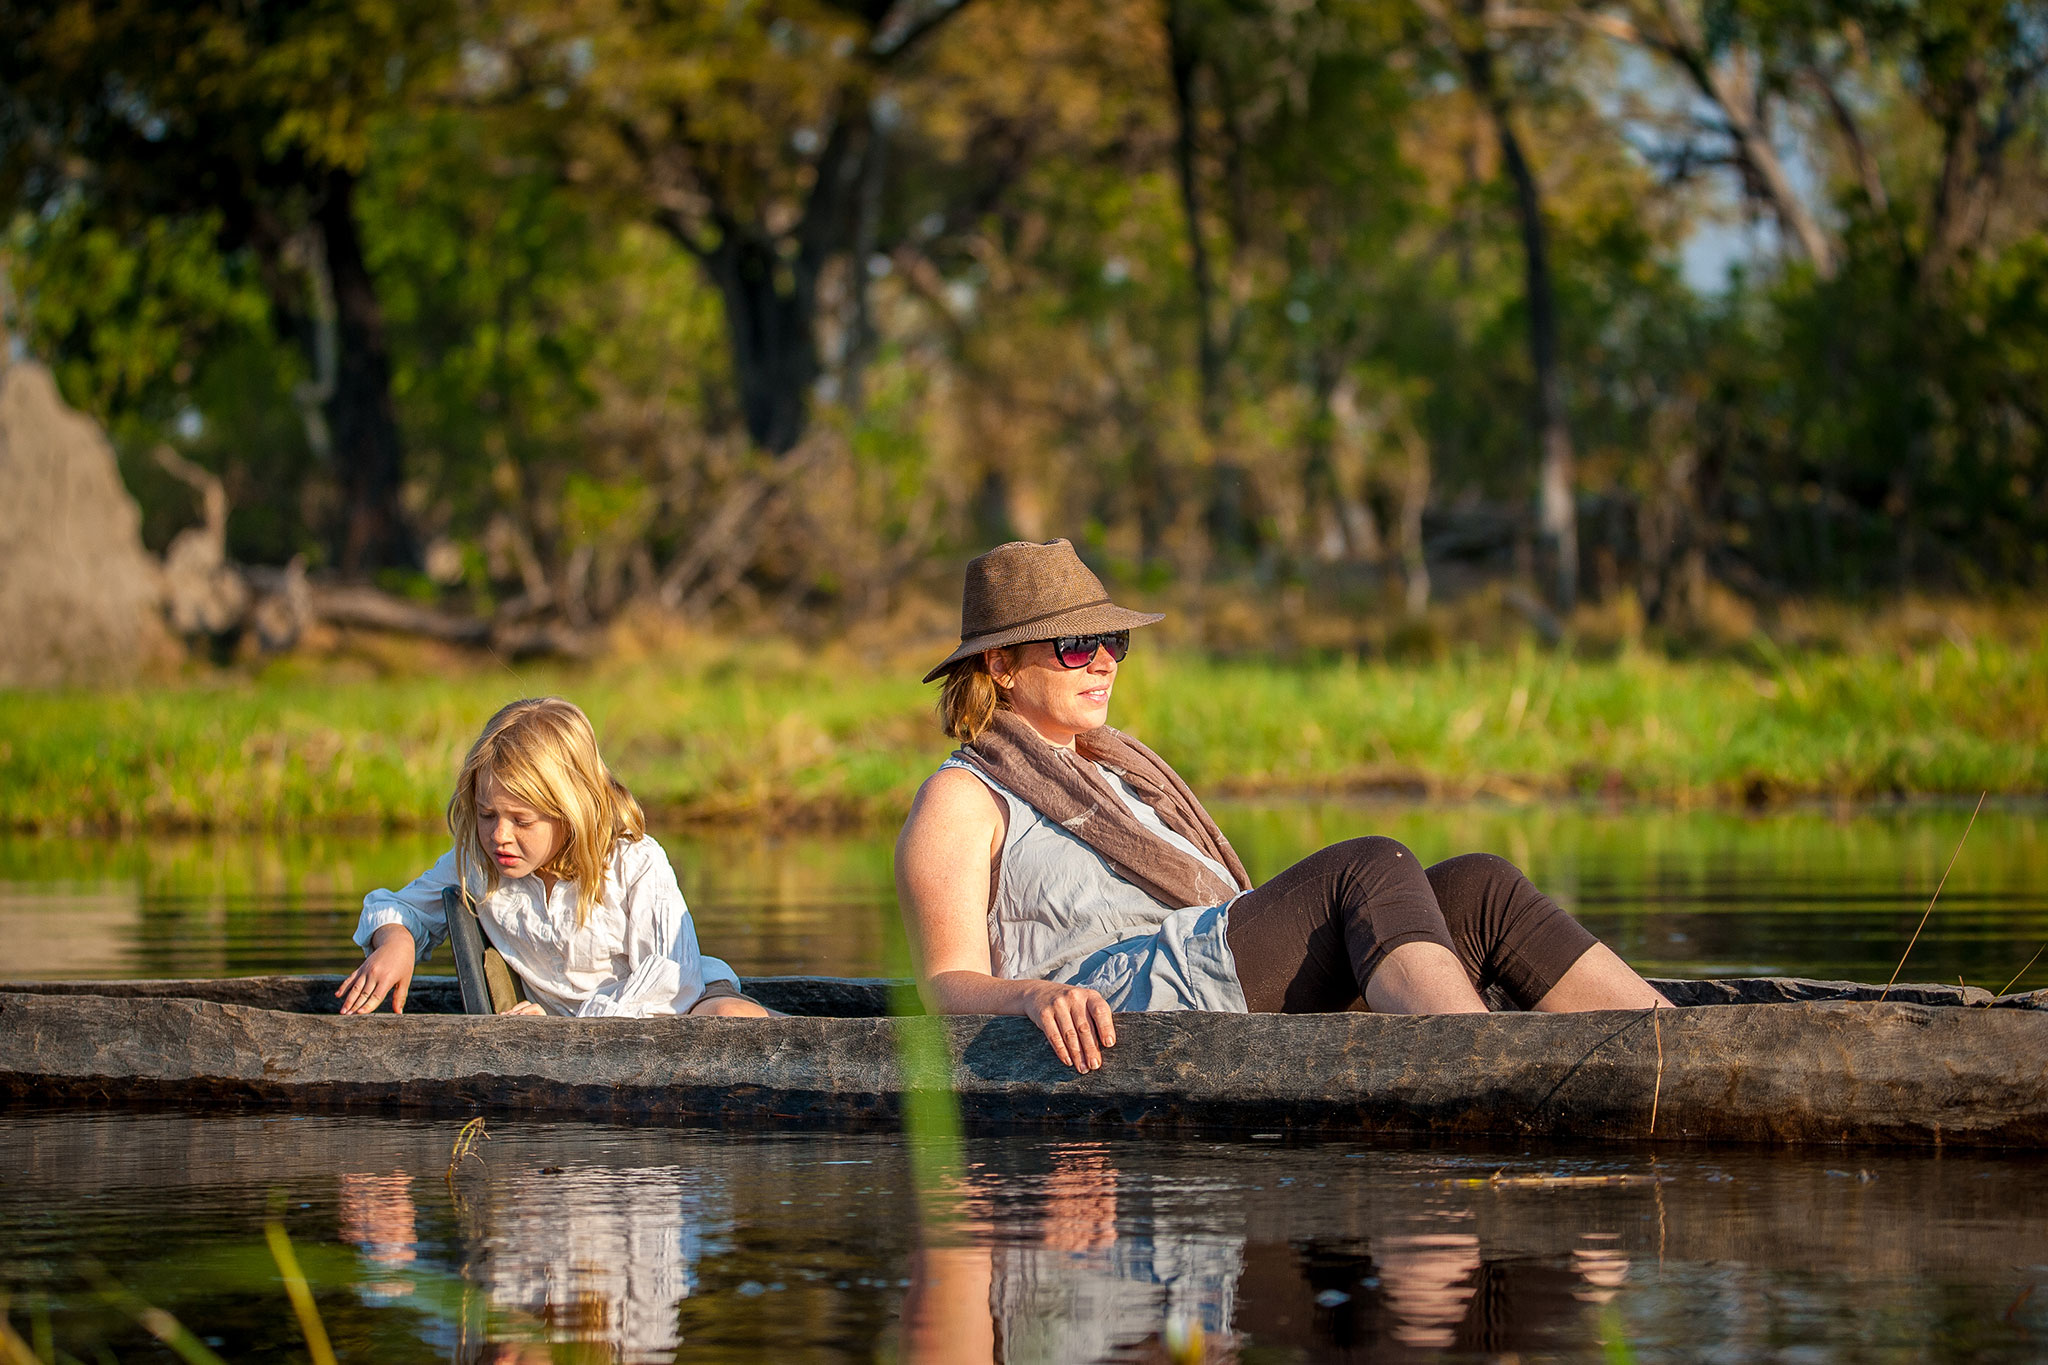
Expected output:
(1024, 591)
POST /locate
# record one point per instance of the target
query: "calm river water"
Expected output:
(587, 1242)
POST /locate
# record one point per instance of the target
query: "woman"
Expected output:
(1056, 868)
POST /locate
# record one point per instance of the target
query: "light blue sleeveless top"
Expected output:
(1062, 913)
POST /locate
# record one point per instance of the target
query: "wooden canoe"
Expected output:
(1770, 1060)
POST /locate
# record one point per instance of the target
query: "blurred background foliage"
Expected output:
(552, 307)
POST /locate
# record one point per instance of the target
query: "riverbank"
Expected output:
(709, 731)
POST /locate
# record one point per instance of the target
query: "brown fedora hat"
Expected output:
(1026, 591)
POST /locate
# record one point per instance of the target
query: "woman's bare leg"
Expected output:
(1599, 980)
(1422, 978)
(732, 1007)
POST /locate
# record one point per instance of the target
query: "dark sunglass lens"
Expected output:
(1078, 651)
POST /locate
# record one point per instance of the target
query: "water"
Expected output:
(1806, 892)
(656, 1245)
(589, 1242)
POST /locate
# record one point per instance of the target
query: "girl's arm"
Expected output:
(949, 843)
(397, 930)
(666, 972)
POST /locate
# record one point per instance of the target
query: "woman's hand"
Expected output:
(386, 971)
(1074, 1019)
(524, 1007)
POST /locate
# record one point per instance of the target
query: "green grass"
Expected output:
(766, 733)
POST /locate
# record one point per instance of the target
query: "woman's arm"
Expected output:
(949, 843)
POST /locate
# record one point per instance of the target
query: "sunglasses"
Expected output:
(1078, 651)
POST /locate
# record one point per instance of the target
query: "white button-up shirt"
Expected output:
(636, 956)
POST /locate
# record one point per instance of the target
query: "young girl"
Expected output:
(553, 852)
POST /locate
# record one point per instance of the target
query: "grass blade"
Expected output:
(2024, 970)
(1935, 897)
(300, 1293)
(1614, 1344)
(13, 1350)
(158, 1322)
(41, 1336)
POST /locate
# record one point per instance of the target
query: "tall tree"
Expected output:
(254, 118)
(1467, 33)
(754, 135)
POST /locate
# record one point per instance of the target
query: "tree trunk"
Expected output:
(859, 343)
(1183, 59)
(1960, 192)
(1231, 523)
(362, 424)
(1322, 494)
(770, 316)
(1414, 498)
(1557, 515)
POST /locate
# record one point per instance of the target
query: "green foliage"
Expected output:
(130, 314)
(582, 223)
(152, 325)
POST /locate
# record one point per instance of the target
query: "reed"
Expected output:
(300, 1294)
(932, 1127)
(464, 1146)
(1614, 1344)
(1926, 914)
(2007, 987)
(158, 1322)
(14, 1350)
(1657, 1090)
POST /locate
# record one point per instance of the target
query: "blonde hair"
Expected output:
(543, 752)
(969, 699)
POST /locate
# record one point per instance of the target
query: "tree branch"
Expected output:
(907, 24)
(1739, 99)
(1867, 170)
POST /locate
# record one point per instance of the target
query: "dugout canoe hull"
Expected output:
(1807, 1068)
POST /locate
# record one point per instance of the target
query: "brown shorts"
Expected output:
(1309, 940)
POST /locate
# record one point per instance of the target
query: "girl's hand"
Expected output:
(1075, 1020)
(387, 970)
(524, 1007)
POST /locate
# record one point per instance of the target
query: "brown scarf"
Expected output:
(1067, 789)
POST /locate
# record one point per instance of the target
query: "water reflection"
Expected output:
(1714, 893)
(378, 1216)
(1073, 1284)
(1079, 1286)
(1426, 1280)
(618, 1244)
(593, 1256)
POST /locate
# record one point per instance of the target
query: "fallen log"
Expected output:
(354, 604)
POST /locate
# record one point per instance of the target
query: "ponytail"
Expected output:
(969, 699)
